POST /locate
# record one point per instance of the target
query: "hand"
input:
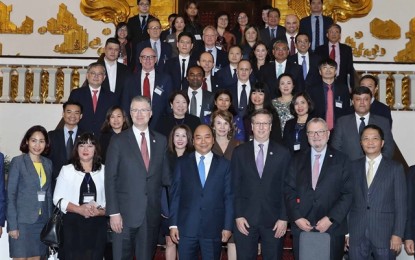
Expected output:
(226, 234)
(95, 212)
(242, 225)
(85, 210)
(409, 247)
(116, 223)
(14, 234)
(280, 227)
(323, 224)
(174, 235)
(396, 244)
(304, 224)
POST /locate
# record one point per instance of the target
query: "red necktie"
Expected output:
(333, 52)
(146, 86)
(204, 84)
(292, 46)
(330, 108)
(144, 150)
(94, 99)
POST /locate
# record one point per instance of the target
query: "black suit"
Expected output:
(265, 34)
(164, 34)
(380, 109)
(291, 137)
(410, 224)
(313, 75)
(167, 122)
(259, 200)
(305, 27)
(122, 74)
(331, 198)
(165, 54)
(207, 103)
(135, 28)
(173, 68)
(221, 60)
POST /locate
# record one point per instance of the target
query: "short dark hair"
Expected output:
(96, 64)
(172, 15)
(370, 76)
(223, 91)
(336, 26)
(312, 1)
(138, 1)
(274, 9)
(74, 103)
(188, 34)
(307, 98)
(374, 127)
(197, 66)
(153, 20)
(261, 111)
(266, 7)
(106, 127)
(329, 62)
(112, 40)
(360, 90)
(302, 33)
(177, 93)
(86, 138)
(189, 146)
(24, 147)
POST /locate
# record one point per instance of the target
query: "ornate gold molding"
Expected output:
(7, 26)
(385, 29)
(408, 54)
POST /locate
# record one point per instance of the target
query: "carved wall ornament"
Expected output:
(385, 29)
(95, 43)
(7, 26)
(106, 31)
(359, 49)
(408, 54)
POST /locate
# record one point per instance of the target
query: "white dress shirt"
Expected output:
(112, 73)
(375, 165)
(247, 90)
(358, 121)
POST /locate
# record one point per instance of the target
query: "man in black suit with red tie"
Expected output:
(318, 190)
(258, 171)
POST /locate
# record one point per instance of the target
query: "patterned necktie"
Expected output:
(94, 99)
(333, 52)
(292, 46)
(362, 124)
(304, 65)
(146, 86)
(316, 170)
(69, 145)
(330, 108)
(260, 160)
(317, 33)
(370, 173)
(201, 168)
(144, 150)
(193, 104)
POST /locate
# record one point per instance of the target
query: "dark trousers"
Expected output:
(365, 248)
(247, 246)
(209, 248)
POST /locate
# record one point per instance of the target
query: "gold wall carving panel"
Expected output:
(408, 54)
(385, 29)
(359, 49)
(7, 26)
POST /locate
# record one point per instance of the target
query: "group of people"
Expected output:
(195, 134)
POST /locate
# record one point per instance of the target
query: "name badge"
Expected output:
(170, 40)
(339, 104)
(41, 195)
(197, 37)
(158, 90)
(219, 47)
(297, 147)
(88, 197)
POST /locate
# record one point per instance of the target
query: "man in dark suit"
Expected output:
(116, 72)
(162, 49)
(376, 107)
(318, 190)
(307, 60)
(241, 89)
(274, 31)
(201, 101)
(137, 25)
(227, 76)
(348, 128)
(329, 89)
(291, 27)
(270, 72)
(206, 62)
(148, 82)
(308, 24)
(201, 200)
(136, 169)
(339, 52)
(177, 67)
(410, 223)
(62, 140)
(258, 171)
(379, 209)
(95, 99)
(2, 195)
(168, 30)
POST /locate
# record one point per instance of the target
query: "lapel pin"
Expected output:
(271, 153)
(331, 155)
(154, 141)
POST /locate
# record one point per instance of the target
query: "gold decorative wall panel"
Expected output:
(7, 26)
(359, 49)
(385, 29)
(408, 54)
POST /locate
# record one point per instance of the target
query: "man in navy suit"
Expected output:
(206, 62)
(95, 100)
(201, 100)
(137, 25)
(378, 214)
(318, 190)
(308, 24)
(241, 89)
(258, 171)
(201, 200)
(159, 86)
(274, 31)
(227, 76)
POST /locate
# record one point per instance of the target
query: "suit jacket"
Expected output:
(221, 60)
(313, 75)
(173, 68)
(305, 27)
(259, 200)
(346, 137)
(410, 223)
(164, 34)
(268, 74)
(346, 62)
(332, 196)
(275, 135)
(380, 209)
(2, 193)
(207, 103)
(129, 189)
(235, 98)
(134, 28)
(92, 121)
(289, 136)
(165, 54)
(380, 109)
(266, 37)
(22, 187)
(167, 122)
(198, 211)
(159, 99)
(122, 73)
(224, 77)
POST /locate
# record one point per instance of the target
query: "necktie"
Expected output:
(304, 65)
(143, 22)
(272, 34)
(193, 104)
(330, 108)
(210, 51)
(144, 150)
(316, 170)
(370, 173)
(333, 52)
(362, 124)
(146, 86)
(183, 68)
(317, 33)
(292, 46)
(69, 145)
(243, 99)
(260, 160)
(204, 84)
(234, 76)
(201, 168)
(156, 50)
(279, 72)
(94, 99)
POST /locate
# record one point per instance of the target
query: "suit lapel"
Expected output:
(153, 145)
(327, 162)
(271, 153)
(135, 148)
(379, 175)
(31, 171)
(212, 170)
(250, 157)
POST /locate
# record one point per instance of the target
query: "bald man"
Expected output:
(291, 26)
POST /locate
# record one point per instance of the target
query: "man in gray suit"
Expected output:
(378, 214)
(136, 169)
(349, 127)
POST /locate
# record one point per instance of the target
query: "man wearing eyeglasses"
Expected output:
(318, 190)
(149, 83)
(258, 170)
(136, 169)
(137, 25)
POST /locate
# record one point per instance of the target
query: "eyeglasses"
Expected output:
(155, 28)
(263, 124)
(93, 74)
(147, 57)
(319, 133)
(143, 111)
(144, 4)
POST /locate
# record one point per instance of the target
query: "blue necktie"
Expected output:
(201, 168)
(304, 64)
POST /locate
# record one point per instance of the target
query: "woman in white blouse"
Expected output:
(80, 185)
